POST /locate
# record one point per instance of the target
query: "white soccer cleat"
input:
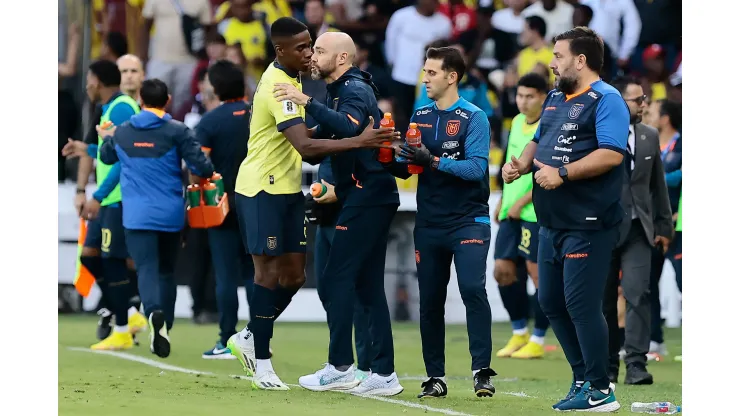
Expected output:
(377, 385)
(268, 381)
(329, 378)
(241, 345)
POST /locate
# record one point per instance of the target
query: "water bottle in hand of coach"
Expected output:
(386, 155)
(413, 139)
(194, 195)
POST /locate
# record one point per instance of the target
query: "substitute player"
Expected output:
(452, 218)
(269, 200)
(515, 251)
(578, 174)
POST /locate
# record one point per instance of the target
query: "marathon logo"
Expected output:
(569, 126)
(472, 241)
(423, 112)
(576, 255)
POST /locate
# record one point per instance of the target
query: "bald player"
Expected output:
(132, 75)
(369, 199)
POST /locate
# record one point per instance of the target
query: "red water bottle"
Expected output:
(413, 139)
(386, 155)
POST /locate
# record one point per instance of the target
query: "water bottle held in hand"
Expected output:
(657, 408)
(318, 190)
(386, 155)
(413, 139)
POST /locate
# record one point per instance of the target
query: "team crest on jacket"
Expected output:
(453, 127)
(575, 111)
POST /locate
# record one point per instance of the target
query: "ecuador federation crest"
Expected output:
(575, 111)
(453, 127)
(272, 243)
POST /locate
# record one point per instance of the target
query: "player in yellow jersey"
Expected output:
(269, 200)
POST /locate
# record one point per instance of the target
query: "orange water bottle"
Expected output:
(413, 139)
(386, 155)
(318, 190)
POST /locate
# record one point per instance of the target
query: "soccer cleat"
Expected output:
(515, 343)
(529, 351)
(219, 352)
(117, 341)
(377, 385)
(104, 329)
(159, 341)
(361, 375)
(482, 385)
(137, 323)
(241, 345)
(268, 381)
(433, 387)
(329, 378)
(590, 399)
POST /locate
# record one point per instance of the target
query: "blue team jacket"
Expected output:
(149, 148)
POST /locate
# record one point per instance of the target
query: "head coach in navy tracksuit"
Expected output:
(577, 153)
(452, 218)
(149, 148)
(369, 199)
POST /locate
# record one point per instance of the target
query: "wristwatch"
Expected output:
(563, 173)
(435, 162)
(80, 191)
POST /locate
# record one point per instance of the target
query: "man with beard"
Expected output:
(647, 223)
(369, 199)
(577, 154)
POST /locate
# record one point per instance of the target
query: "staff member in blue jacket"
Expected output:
(149, 148)
(369, 199)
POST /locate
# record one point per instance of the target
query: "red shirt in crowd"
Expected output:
(463, 18)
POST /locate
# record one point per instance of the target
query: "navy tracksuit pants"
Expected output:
(355, 272)
(154, 254)
(573, 268)
(436, 248)
(324, 236)
(231, 265)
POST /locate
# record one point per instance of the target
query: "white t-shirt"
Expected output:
(558, 20)
(168, 44)
(406, 36)
(352, 8)
(505, 20)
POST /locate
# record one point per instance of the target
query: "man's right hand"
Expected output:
(329, 197)
(80, 200)
(74, 148)
(377, 138)
(512, 170)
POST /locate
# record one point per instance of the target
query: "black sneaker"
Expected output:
(104, 329)
(433, 387)
(637, 374)
(482, 385)
(159, 340)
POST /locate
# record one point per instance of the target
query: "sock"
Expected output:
(605, 391)
(537, 339)
(135, 300)
(519, 326)
(539, 332)
(580, 383)
(119, 288)
(621, 337)
(283, 296)
(343, 368)
(264, 366)
(132, 311)
(263, 320)
(121, 329)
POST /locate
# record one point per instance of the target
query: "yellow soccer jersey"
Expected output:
(272, 164)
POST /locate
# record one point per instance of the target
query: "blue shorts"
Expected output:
(106, 233)
(516, 239)
(272, 224)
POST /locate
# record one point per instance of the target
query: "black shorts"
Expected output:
(272, 224)
(517, 239)
(106, 232)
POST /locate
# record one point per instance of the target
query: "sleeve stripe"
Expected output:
(353, 119)
(289, 123)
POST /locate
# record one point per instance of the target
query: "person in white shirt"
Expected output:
(609, 17)
(557, 14)
(409, 31)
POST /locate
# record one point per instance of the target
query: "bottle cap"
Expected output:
(387, 115)
(412, 125)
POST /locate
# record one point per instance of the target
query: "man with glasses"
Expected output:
(647, 223)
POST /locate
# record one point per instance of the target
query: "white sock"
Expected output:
(121, 329)
(264, 366)
(537, 340)
(579, 383)
(520, 332)
(605, 391)
(132, 311)
(444, 380)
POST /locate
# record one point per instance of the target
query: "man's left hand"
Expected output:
(546, 176)
(662, 243)
(90, 209)
(74, 148)
(283, 92)
(416, 155)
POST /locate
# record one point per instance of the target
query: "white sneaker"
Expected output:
(241, 345)
(268, 381)
(622, 354)
(360, 375)
(329, 378)
(377, 385)
(657, 352)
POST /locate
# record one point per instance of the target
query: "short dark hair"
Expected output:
(439, 43)
(588, 12)
(286, 27)
(117, 43)
(452, 60)
(672, 109)
(584, 41)
(533, 80)
(227, 80)
(106, 72)
(621, 82)
(537, 24)
(216, 38)
(154, 93)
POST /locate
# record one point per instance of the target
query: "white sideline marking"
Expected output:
(424, 378)
(163, 366)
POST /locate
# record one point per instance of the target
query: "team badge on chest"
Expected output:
(453, 127)
(575, 111)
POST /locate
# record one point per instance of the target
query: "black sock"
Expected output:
(343, 368)
(119, 288)
(135, 300)
(262, 320)
(94, 264)
(621, 337)
(283, 296)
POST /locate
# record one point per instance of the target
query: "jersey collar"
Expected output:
(452, 107)
(292, 74)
